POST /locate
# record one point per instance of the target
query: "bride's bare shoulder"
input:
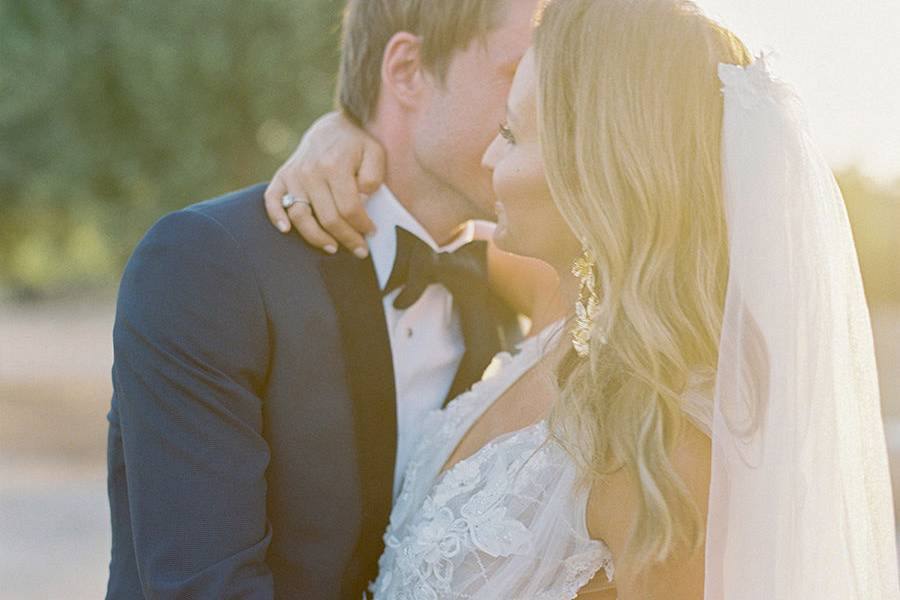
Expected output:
(615, 495)
(611, 515)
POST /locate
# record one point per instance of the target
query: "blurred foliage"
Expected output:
(114, 112)
(874, 212)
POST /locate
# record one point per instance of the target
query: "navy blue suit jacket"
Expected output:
(252, 430)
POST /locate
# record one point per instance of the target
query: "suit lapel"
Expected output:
(481, 313)
(489, 329)
(480, 348)
(353, 287)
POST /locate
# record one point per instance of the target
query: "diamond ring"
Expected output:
(288, 200)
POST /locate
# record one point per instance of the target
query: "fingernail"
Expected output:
(361, 252)
(283, 226)
(331, 249)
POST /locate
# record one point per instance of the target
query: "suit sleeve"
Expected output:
(191, 356)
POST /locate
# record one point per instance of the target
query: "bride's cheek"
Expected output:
(505, 183)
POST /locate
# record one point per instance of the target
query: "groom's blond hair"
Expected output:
(445, 26)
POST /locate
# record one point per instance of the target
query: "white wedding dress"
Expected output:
(800, 504)
(507, 523)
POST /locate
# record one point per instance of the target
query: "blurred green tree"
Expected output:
(113, 112)
(874, 213)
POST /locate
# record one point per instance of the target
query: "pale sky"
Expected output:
(844, 59)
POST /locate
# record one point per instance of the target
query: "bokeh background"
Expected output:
(114, 112)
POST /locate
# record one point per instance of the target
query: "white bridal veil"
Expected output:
(800, 499)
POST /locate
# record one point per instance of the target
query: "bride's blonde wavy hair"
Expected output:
(630, 115)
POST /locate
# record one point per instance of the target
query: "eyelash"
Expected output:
(507, 134)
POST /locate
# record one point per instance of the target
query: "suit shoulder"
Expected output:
(231, 233)
(244, 208)
(188, 267)
(229, 215)
(242, 214)
(198, 239)
(182, 233)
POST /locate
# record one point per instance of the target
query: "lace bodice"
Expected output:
(505, 523)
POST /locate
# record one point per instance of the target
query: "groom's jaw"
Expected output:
(436, 139)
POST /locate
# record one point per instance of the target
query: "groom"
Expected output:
(266, 395)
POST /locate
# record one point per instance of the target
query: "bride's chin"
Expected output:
(501, 231)
(501, 238)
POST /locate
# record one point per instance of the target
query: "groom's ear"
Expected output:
(402, 71)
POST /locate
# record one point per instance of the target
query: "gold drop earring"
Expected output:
(588, 304)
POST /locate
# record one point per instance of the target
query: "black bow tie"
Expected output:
(464, 273)
(416, 266)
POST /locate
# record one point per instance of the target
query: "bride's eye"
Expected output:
(507, 134)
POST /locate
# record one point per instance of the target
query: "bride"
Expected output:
(704, 423)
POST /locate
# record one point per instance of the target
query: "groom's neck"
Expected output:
(414, 188)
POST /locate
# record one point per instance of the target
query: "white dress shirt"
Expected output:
(426, 340)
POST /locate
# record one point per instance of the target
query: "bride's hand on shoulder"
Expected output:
(335, 168)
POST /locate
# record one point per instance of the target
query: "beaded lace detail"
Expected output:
(505, 523)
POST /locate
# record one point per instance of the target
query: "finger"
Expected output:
(350, 205)
(301, 215)
(275, 211)
(371, 171)
(330, 220)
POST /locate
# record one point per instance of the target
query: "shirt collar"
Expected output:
(387, 213)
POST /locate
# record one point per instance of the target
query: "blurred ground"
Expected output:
(54, 394)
